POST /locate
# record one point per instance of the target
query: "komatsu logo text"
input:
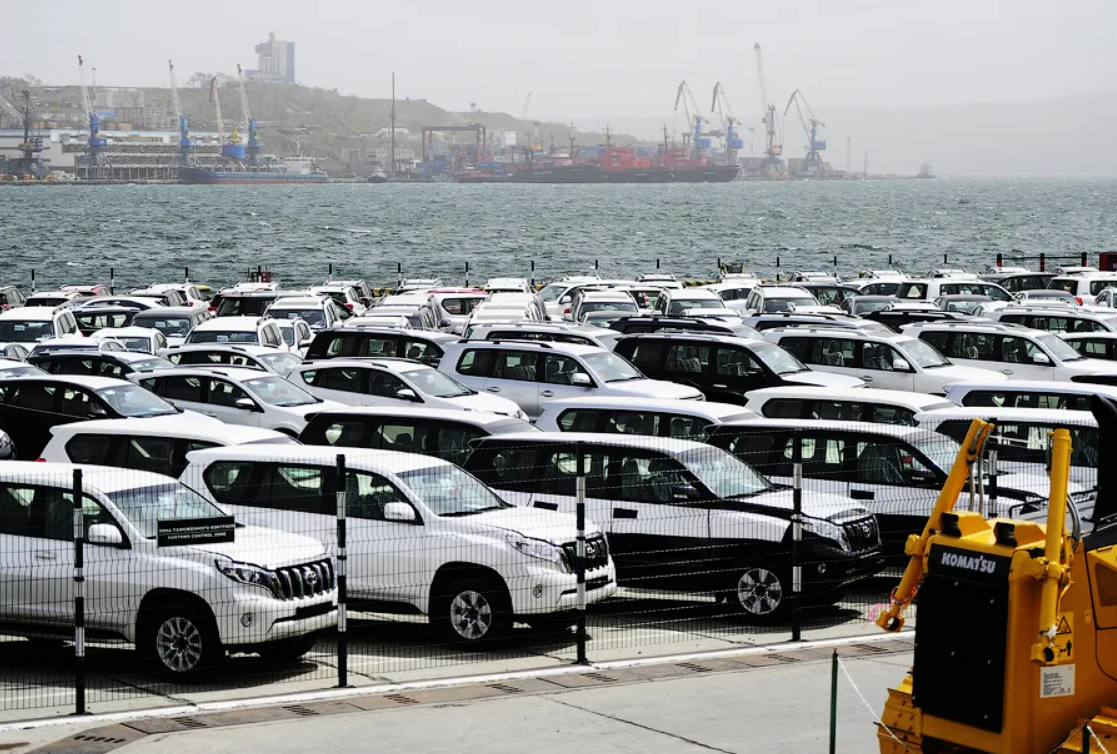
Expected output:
(976, 563)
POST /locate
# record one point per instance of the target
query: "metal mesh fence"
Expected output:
(223, 575)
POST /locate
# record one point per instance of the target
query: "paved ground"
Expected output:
(36, 682)
(753, 703)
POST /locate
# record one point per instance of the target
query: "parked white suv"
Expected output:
(771, 299)
(385, 382)
(236, 396)
(252, 331)
(1018, 352)
(183, 606)
(531, 373)
(1084, 284)
(32, 324)
(885, 360)
(421, 532)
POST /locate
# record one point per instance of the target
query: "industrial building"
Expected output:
(276, 61)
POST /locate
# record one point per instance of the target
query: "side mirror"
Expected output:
(407, 394)
(581, 380)
(565, 300)
(97, 412)
(401, 512)
(684, 491)
(246, 404)
(104, 534)
(900, 365)
(1041, 358)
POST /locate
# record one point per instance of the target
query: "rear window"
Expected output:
(1070, 285)
(218, 336)
(1027, 399)
(243, 306)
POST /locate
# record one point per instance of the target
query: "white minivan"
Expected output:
(422, 534)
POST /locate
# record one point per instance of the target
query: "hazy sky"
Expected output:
(609, 57)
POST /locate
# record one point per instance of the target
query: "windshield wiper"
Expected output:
(458, 514)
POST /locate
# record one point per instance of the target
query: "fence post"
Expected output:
(1042, 262)
(1084, 260)
(399, 276)
(112, 280)
(797, 540)
(1000, 260)
(79, 598)
(32, 279)
(467, 275)
(777, 269)
(533, 273)
(342, 596)
(992, 481)
(186, 274)
(657, 264)
(580, 554)
(834, 702)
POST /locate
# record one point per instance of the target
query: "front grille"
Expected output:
(863, 534)
(307, 580)
(597, 552)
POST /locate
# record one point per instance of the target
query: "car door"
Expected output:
(560, 375)
(221, 403)
(346, 385)
(181, 391)
(735, 371)
(385, 389)
(878, 367)
(690, 363)
(891, 481)
(1018, 359)
(515, 377)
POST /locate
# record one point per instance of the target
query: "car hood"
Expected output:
(551, 526)
(815, 504)
(955, 373)
(485, 402)
(1091, 366)
(1022, 479)
(265, 547)
(822, 379)
(312, 408)
(652, 389)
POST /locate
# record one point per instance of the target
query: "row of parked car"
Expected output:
(461, 458)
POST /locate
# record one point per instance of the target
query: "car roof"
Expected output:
(876, 395)
(170, 311)
(103, 478)
(249, 293)
(298, 302)
(684, 293)
(247, 348)
(125, 356)
(707, 410)
(29, 313)
(1108, 335)
(179, 425)
(397, 331)
(389, 365)
(355, 458)
(1039, 386)
(84, 380)
(609, 294)
(238, 324)
(782, 290)
(901, 431)
(999, 413)
(238, 374)
(841, 332)
(703, 336)
(670, 445)
(576, 349)
(476, 418)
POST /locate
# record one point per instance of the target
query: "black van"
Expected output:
(724, 368)
(378, 342)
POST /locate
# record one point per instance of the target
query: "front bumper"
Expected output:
(543, 592)
(270, 619)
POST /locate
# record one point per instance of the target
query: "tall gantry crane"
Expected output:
(232, 151)
(694, 118)
(773, 131)
(733, 142)
(815, 142)
(253, 158)
(28, 165)
(186, 145)
(95, 163)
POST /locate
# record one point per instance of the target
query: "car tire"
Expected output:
(179, 641)
(471, 610)
(288, 650)
(761, 593)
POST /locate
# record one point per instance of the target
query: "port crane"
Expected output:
(232, 151)
(253, 158)
(533, 138)
(186, 145)
(95, 163)
(772, 130)
(694, 118)
(815, 142)
(733, 142)
(28, 165)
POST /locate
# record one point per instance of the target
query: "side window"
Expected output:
(366, 494)
(347, 379)
(182, 389)
(507, 468)
(1089, 325)
(377, 347)
(222, 393)
(342, 432)
(385, 385)
(453, 442)
(151, 454)
(800, 348)
(975, 346)
(761, 450)
(109, 369)
(405, 437)
(421, 349)
(685, 427)
(516, 365)
(955, 429)
(646, 355)
(645, 479)
(302, 489)
(229, 483)
(880, 357)
(99, 450)
(879, 414)
(890, 463)
(311, 377)
(688, 358)
(1095, 348)
(736, 362)
(937, 339)
(1021, 442)
(783, 408)
(835, 352)
(847, 411)
(1018, 350)
(341, 346)
(632, 423)
(477, 362)
(35, 397)
(560, 370)
(578, 420)
(823, 457)
(81, 403)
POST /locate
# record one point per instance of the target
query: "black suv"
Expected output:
(654, 323)
(99, 363)
(242, 303)
(101, 317)
(894, 320)
(358, 342)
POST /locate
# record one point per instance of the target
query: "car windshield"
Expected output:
(14, 331)
(172, 327)
(281, 363)
(1059, 348)
(609, 367)
(145, 507)
(130, 400)
(608, 306)
(788, 303)
(218, 336)
(941, 451)
(723, 473)
(136, 344)
(680, 305)
(863, 307)
(552, 292)
(777, 359)
(921, 354)
(434, 382)
(13, 372)
(312, 316)
(276, 391)
(449, 491)
(151, 365)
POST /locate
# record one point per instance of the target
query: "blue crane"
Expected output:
(815, 142)
(254, 158)
(733, 141)
(95, 163)
(186, 145)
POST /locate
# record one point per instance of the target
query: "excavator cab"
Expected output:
(1016, 635)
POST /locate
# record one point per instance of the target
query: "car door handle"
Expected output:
(624, 513)
(547, 393)
(1006, 371)
(723, 387)
(862, 494)
(866, 378)
(44, 555)
(492, 390)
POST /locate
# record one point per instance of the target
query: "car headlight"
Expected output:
(252, 575)
(537, 548)
(827, 530)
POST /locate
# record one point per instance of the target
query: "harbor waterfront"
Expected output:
(152, 232)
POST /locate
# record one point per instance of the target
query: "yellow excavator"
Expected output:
(1016, 633)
